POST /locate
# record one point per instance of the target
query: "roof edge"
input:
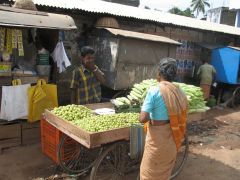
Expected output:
(141, 36)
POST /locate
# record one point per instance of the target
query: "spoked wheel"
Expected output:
(181, 158)
(236, 97)
(74, 158)
(113, 164)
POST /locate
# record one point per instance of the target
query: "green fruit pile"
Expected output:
(84, 118)
(72, 112)
(101, 123)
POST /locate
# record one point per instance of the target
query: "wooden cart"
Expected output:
(106, 154)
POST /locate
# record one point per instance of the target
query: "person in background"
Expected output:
(164, 113)
(206, 73)
(86, 79)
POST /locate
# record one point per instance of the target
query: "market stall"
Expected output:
(24, 59)
(94, 132)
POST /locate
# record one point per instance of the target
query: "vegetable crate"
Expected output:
(50, 140)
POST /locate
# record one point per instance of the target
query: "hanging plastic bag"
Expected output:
(14, 103)
(40, 97)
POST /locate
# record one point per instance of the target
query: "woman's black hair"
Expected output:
(87, 50)
(167, 68)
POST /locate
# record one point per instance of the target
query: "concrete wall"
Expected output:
(221, 15)
(228, 17)
(214, 15)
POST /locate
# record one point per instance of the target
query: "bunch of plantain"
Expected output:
(133, 101)
(135, 98)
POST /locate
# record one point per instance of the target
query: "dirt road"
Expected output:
(215, 152)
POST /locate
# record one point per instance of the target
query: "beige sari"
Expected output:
(163, 142)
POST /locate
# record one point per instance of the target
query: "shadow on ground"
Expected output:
(23, 163)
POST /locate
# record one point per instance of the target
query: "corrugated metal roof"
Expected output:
(25, 18)
(138, 13)
(143, 36)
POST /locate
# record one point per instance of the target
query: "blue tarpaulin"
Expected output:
(226, 61)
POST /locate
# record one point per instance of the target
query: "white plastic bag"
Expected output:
(60, 57)
(14, 103)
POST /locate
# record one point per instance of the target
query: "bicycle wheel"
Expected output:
(181, 158)
(113, 164)
(74, 158)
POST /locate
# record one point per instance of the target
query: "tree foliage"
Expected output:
(187, 12)
(199, 6)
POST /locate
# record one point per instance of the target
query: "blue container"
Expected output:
(226, 61)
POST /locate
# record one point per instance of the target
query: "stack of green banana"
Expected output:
(195, 98)
(133, 101)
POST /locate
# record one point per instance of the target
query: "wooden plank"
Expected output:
(8, 131)
(8, 143)
(101, 138)
(69, 129)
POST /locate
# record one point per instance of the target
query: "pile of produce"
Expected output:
(83, 117)
(195, 98)
(72, 112)
(134, 100)
(100, 123)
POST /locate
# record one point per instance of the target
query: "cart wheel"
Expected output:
(74, 158)
(181, 158)
(236, 97)
(112, 164)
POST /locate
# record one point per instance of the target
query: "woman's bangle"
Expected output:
(95, 69)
